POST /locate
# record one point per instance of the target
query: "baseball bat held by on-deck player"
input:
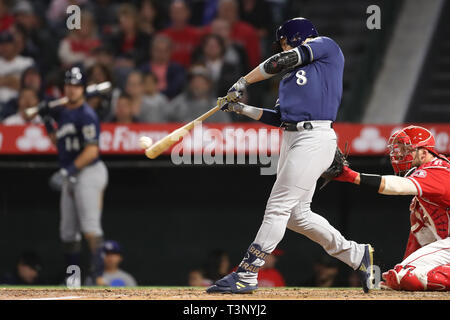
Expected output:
(92, 89)
(165, 143)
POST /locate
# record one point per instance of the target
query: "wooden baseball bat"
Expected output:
(91, 89)
(165, 143)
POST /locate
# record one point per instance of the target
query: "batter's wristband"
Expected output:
(270, 117)
(370, 181)
(71, 169)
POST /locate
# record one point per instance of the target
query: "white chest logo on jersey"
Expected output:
(419, 174)
(68, 128)
(301, 77)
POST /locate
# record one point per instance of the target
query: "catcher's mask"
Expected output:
(404, 142)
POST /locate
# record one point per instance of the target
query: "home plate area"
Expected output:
(194, 293)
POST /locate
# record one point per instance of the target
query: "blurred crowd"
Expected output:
(28, 270)
(168, 61)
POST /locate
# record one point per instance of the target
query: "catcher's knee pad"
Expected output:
(439, 278)
(253, 260)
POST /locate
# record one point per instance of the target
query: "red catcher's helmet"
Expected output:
(403, 142)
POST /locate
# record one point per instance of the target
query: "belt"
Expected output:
(305, 125)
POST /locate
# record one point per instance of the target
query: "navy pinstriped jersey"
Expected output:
(314, 91)
(76, 129)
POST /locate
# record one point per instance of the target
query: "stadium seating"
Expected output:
(430, 102)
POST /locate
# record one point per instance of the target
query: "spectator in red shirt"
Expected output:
(6, 19)
(241, 32)
(184, 36)
(77, 46)
(268, 275)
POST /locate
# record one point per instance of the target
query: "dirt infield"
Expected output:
(188, 293)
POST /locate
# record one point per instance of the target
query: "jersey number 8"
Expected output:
(301, 77)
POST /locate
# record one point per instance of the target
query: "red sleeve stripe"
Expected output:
(419, 189)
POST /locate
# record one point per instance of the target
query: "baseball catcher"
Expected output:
(425, 174)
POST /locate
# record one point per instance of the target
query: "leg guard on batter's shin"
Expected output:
(96, 262)
(439, 278)
(253, 260)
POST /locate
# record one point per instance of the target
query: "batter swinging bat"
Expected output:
(165, 143)
(91, 89)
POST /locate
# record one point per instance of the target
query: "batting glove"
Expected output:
(61, 176)
(237, 90)
(233, 107)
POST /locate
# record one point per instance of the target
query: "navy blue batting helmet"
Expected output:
(74, 76)
(295, 31)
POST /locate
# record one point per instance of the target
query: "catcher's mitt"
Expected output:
(336, 167)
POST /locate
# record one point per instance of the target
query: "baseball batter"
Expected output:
(309, 97)
(82, 177)
(425, 174)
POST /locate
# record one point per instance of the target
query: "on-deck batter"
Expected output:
(309, 97)
(82, 178)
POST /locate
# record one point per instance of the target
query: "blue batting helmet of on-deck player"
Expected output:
(295, 31)
(74, 76)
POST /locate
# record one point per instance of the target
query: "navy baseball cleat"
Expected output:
(365, 269)
(231, 284)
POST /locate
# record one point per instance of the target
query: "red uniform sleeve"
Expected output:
(430, 182)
